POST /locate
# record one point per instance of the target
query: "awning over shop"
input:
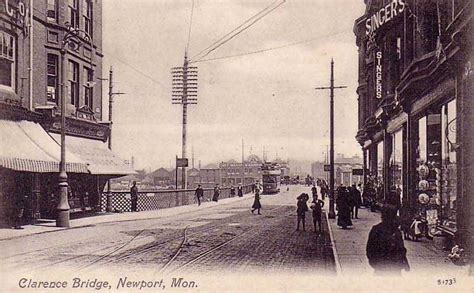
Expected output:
(26, 146)
(100, 160)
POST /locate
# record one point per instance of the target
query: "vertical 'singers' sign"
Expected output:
(384, 15)
(378, 75)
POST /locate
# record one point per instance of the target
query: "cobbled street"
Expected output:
(224, 236)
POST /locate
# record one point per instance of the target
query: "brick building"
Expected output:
(30, 78)
(415, 107)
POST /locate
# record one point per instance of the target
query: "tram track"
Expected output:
(208, 252)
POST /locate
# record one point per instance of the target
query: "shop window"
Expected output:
(52, 78)
(380, 170)
(88, 89)
(73, 13)
(7, 61)
(52, 11)
(73, 76)
(448, 179)
(396, 164)
(428, 162)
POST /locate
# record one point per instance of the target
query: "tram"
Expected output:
(271, 174)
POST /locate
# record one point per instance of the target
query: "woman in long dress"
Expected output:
(343, 208)
(256, 202)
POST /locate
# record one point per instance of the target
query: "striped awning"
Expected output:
(100, 160)
(26, 146)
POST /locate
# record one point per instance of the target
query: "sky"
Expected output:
(266, 99)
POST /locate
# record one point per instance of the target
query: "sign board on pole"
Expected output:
(327, 168)
(358, 172)
(181, 162)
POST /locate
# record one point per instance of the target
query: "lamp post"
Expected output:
(73, 39)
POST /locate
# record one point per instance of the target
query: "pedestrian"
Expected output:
(356, 201)
(314, 191)
(199, 193)
(232, 191)
(343, 208)
(385, 249)
(317, 207)
(17, 212)
(301, 209)
(215, 197)
(324, 190)
(240, 192)
(253, 187)
(134, 196)
(256, 202)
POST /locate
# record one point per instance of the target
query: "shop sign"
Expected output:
(378, 75)
(384, 15)
(18, 14)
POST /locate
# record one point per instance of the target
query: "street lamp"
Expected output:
(73, 39)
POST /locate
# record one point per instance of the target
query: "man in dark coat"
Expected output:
(240, 192)
(215, 197)
(232, 191)
(356, 201)
(134, 196)
(18, 211)
(385, 249)
(314, 192)
(199, 193)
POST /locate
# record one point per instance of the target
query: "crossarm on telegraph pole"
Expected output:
(332, 213)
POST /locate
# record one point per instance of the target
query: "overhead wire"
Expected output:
(239, 31)
(232, 31)
(270, 49)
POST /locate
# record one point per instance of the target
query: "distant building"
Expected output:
(343, 168)
(208, 176)
(234, 173)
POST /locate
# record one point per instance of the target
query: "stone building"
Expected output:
(30, 99)
(416, 107)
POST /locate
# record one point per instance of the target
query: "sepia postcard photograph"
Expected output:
(236, 146)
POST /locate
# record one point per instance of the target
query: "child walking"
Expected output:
(317, 207)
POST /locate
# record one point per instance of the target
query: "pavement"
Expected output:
(46, 226)
(349, 247)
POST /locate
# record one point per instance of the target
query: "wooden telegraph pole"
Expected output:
(332, 214)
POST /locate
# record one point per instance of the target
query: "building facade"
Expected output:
(415, 107)
(235, 173)
(31, 69)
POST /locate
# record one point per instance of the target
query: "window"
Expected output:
(53, 37)
(52, 78)
(88, 90)
(73, 13)
(7, 61)
(396, 164)
(73, 77)
(52, 12)
(87, 14)
(448, 176)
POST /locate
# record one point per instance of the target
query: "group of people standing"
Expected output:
(316, 208)
(199, 193)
